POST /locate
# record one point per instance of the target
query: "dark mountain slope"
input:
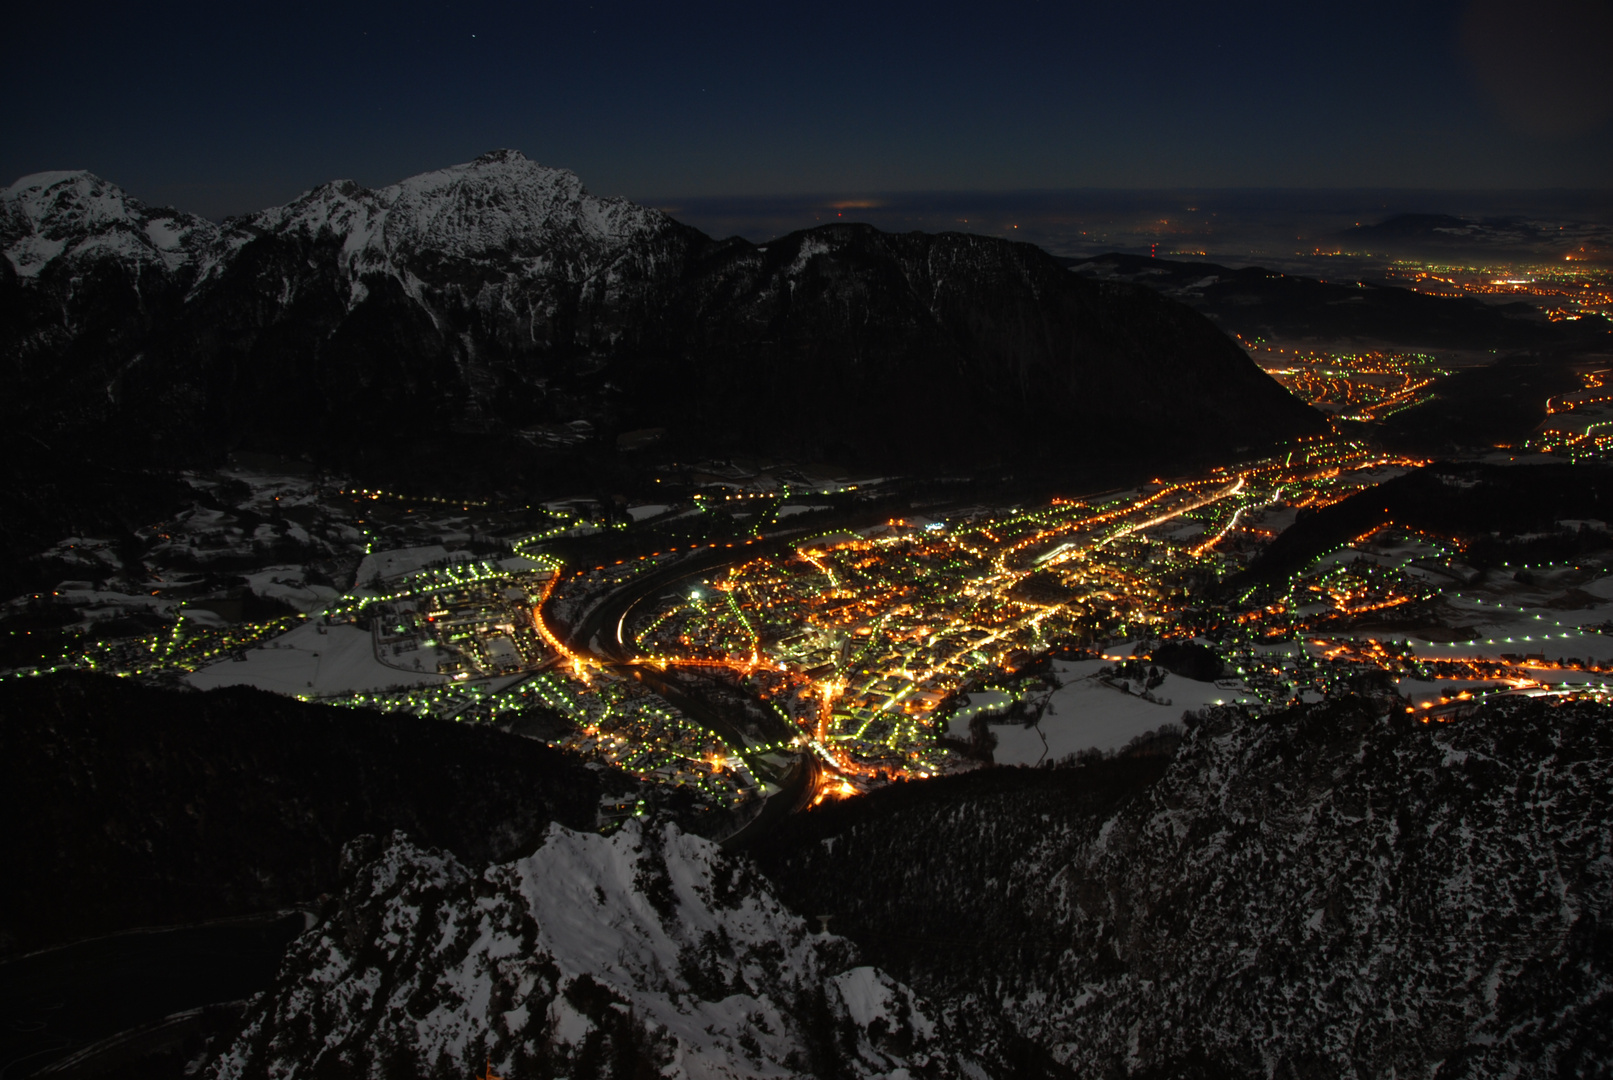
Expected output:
(1327, 892)
(127, 806)
(1481, 408)
(946, 350)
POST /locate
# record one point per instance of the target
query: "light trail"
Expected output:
(1233, 524)
(1160, 520)
(579, 664)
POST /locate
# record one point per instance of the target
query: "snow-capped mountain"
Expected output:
(500, 207)
(649, 952)
(501, 236)
(76, 218)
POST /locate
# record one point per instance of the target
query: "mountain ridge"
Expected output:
(40, 213)
(500, 204)
(646, 953)
(489, 297)
(1335, 890)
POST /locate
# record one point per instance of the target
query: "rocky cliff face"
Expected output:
(1329, 892)
(648, 953)
(494, 296)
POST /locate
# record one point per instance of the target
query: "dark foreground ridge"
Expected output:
(1335, 890)
(129, 806)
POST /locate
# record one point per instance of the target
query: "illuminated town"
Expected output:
(1364, 386)
(565, 542)
(905, 647)
(1565, 291)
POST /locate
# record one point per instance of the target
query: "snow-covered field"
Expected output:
(1087, 714)
(304, 661)
(288, 583)
(390, 564)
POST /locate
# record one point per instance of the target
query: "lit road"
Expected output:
(601, 636)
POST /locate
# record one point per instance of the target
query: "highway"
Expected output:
(601, 635)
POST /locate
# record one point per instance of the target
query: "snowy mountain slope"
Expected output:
(77, 217)
(1329, 892)
(500, 206)
(497, 235)
(650, 949)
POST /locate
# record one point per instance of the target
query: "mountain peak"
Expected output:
(75, 214)
(501, 204)
(40, 181)
(493, 157)
(64, 199)
(510, 170)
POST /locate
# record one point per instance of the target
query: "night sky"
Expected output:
(226, 107)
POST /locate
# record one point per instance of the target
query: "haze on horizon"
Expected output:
(226, 110)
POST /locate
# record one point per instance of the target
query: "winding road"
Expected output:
(601, 635)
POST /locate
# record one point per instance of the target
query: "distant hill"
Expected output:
(1502, 513)
(1256, 302)
(1421, 227)
(1491, 237)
